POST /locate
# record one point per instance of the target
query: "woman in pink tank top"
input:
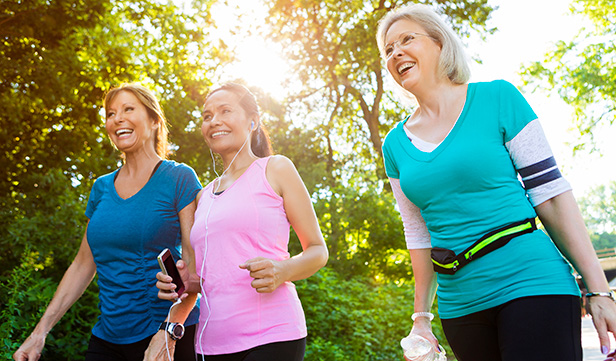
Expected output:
(239, 260)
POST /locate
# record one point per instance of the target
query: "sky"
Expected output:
(527, 29)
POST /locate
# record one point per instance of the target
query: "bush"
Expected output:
(24, 296)
(356, 319)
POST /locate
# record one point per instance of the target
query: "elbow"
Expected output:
(322, 258)
(325, 256)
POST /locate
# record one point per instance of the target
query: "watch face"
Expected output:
(178, 331)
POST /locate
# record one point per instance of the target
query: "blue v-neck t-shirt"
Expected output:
(126, 236)
(469, 186)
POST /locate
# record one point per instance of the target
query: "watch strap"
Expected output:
(602, 294)
(169, 326)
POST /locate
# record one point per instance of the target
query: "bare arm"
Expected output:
(425, 290)
(269, 274)
(74, 282)
(563, 221)
(157, 350)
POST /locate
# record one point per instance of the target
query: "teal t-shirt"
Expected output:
(126, 236)
(467, 187)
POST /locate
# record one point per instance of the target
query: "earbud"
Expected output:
(252, 124)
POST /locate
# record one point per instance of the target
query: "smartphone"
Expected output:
(167, 265)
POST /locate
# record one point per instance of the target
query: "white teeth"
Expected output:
(219, 133)
(123, 131)
(403, 67)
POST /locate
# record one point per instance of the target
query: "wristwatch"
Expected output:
(610, 294)
(174, 329)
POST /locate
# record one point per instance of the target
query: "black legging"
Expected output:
(275, 351)
(526, 329)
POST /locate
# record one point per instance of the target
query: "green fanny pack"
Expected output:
(446, 261)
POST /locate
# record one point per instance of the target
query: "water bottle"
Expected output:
(417, 348)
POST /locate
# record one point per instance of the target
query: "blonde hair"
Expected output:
(452, 61)
(149, 101)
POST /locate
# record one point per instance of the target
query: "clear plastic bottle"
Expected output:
(417, 348)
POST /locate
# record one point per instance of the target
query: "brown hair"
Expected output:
(149, 101)
(260, 142)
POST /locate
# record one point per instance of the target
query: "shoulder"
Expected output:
(199, 196)
(279, 164)
(179, 173)
(392, 139)
(281, 174)
(395, 131)
(496, 86)
(179, 168)
(104, 180)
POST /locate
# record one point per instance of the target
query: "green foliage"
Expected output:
(603, 240)
(356, 318)
(24, 295)
(598, 208)
(333, 51)
(583, 70)
(54, 216)
(57, 59)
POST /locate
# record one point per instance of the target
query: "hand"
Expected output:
(157, 349)
(167, 288)
(603, 311)
(31, 349)
(268, 274)
(422, 327)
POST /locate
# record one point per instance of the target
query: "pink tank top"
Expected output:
(247, 220)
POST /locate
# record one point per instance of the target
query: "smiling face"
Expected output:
(414, 61)
(225, 124)
(128, 123)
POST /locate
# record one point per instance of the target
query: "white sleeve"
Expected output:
(533, 159)
(415, 230)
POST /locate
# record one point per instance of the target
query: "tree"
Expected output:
(583, 70)
(599, 208)
(331, 45)
(57, 59)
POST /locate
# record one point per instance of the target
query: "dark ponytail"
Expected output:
(260, 143)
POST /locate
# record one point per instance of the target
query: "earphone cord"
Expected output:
(169, 320)
(207, 216)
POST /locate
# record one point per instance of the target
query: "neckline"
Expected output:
(152, 174)
(115, 176)
(226, 190)
(417, 154)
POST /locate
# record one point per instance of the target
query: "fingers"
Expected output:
(180, 265)
(263, 270)
(166, 290)
(603, 311)
(263, 285)
(255, 264)
(24, 356)
(20, 356)
(163, 277)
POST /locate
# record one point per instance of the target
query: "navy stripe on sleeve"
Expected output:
(537, 167)
(542, 179)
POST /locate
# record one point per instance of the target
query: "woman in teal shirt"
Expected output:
(504, 290)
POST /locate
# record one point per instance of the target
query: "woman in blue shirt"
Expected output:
(134, 213)
(504, 290)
